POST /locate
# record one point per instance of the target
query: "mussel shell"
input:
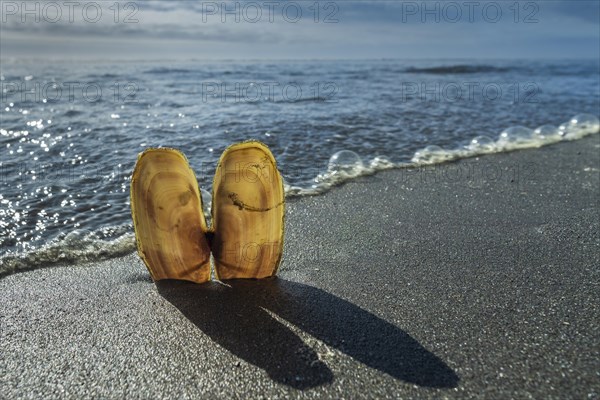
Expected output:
(167, 216)
(247, 213)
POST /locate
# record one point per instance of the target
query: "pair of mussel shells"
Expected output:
(173, 239)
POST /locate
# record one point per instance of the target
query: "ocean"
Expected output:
(70, 132)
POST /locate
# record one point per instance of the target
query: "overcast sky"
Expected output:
(300, 29)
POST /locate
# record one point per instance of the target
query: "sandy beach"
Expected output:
(473, 279)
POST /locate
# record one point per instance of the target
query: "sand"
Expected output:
(474, 279)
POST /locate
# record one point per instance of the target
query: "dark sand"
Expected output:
(476, 279)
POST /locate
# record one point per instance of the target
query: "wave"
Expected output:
(165, 70)
(313, 99)
(85, 246)
(103, 76)
(73, 113)
(457, 69)
(78, 246)
(347, 165)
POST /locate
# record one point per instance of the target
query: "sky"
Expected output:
(243, 29)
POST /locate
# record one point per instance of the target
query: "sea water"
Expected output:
(70, 132)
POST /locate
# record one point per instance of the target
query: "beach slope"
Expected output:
(473, 279)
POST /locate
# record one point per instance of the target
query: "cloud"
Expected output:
(585, 11)
(288, 29)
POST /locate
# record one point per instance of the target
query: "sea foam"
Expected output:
(346, 165)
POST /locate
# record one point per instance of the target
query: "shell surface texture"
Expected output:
(248, 209)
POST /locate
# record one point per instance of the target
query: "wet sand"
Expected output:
(474, 279)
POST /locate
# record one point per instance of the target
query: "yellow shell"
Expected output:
(247, 212)
(167, 217)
